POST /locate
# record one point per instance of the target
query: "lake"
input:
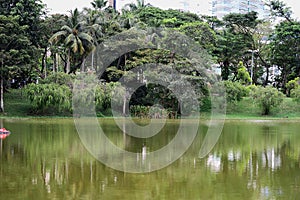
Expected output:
(45, 159)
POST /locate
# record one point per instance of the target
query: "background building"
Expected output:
(193, 6)
(112, 3)
(220, 8)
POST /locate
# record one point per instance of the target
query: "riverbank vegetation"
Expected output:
(42, 55)
(18, 105)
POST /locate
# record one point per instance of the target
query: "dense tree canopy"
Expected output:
(34, 45)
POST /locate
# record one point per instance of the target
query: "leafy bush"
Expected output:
(139, 111)
(235, 91)
(267, 98)
(295, 94)
(49, 97)
(251, 88)
(243, 75)
(291, 85)
(149, 112)
(59, 78)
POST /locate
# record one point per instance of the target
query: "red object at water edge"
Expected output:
(4, 133)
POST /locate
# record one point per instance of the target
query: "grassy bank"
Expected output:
(16, 105)
(248, 109)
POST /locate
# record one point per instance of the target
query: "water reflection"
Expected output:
(269, 158)
(214, 163)
(44, 159)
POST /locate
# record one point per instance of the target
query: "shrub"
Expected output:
(235, 91)
(251, 89)
(267, 98)
(59, 78)
(295, 94)
(49, 97)
(291, 85)
(243, 75)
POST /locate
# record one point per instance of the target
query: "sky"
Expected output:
(59, 6)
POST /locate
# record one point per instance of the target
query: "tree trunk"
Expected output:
(2, 99)
(55, 62)
(267, 76)
(82, 66)
(68, 67)
(44, 64)
(284, 77)
(93, 60)
(1, 89)
(225, 70)
(96, 60)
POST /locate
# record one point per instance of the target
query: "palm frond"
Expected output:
(86, 37)
(70, 40)
(66, 28)
(58, 36)
(74, 47)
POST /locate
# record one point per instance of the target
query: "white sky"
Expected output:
(59, 6)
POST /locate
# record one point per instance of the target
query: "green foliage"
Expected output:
(201, 33)
(234, 40)
(25, 33)
(92, 95)
(292, 84)
(243, 75)
(267, 98)
(279, 9)
(104, 94)
(284, 45)
(139, 111)
(59, 78)
(155, 17)
(235, 91)
(149, 112)
(295, 94)
(16, 103)
(49, 97)
(251, 88)
(76, 43)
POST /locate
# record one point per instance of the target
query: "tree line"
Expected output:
(36, 46)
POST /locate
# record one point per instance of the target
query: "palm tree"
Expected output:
(140, 4)
(128, 19)
(95, 24)
(76, 42)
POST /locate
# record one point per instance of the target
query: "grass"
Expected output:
(17, 105)
(247, 108)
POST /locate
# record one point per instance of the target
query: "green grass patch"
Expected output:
(247, 109)
(16, 104)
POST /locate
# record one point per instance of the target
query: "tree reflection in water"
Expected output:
(44, 159)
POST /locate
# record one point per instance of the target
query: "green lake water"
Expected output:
(45, 159)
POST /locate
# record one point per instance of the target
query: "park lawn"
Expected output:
(16, 104)
(247, 108)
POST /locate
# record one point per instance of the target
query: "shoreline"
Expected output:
(227, 118)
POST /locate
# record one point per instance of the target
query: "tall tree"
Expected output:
(279, 9)
(13, 49)
(21, 38)
(139, 5)
(234, 40)
(76, 42)
(285, 48)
